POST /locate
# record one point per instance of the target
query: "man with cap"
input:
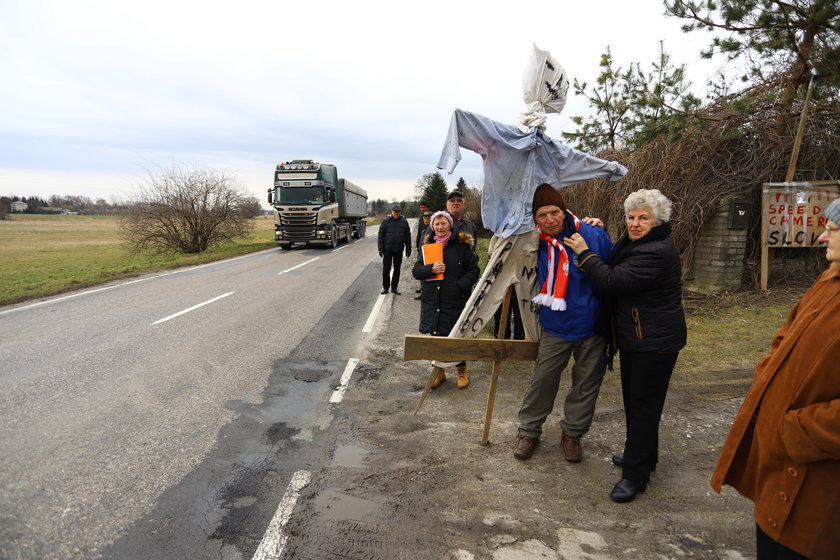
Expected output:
(783, 450)
(394, 237)
(422, 224)
(455, 205)
(568, 312)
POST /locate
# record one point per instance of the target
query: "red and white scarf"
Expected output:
(553, 292)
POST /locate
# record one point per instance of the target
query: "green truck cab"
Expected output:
(314, 206)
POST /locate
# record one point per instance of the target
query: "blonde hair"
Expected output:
(658, 204)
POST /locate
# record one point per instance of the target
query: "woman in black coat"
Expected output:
(642, 293)
(441, 301)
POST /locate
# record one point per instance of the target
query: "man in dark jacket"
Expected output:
(394, 236)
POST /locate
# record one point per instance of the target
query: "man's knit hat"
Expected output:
(546, 195)
(833, 211)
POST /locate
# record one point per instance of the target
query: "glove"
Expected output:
(380, 253)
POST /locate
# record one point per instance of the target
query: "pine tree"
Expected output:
(435, 192)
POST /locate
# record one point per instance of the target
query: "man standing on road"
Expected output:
(394, 237)
(783, 450)
(568, 312)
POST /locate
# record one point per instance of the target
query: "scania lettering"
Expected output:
(313, 206)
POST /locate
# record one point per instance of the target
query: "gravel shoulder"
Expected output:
(422, 487)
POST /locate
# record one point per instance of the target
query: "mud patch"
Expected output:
(349, 455)
(331, 504)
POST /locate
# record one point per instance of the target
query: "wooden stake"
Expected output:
(435, 371)
(494, 378)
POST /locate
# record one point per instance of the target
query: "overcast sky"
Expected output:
(95, 93)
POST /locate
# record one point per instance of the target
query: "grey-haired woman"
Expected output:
(642, 290)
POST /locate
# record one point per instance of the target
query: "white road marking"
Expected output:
(373, 313)
(274, 541)
(338, 394)
(340, 248)
(298, 266)
(193, 308)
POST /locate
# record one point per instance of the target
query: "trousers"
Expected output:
(587, 375)
(644, 384)
(389, 258)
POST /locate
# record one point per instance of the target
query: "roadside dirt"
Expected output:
(421, 487)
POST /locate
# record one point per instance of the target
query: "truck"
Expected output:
(314, 206)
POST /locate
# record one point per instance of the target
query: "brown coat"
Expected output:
(783, 450)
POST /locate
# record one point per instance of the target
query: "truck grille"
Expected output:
(298, 225)
(301, 219)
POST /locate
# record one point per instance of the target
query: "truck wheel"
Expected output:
(361, 230)
(333, 238)
(286, 247)
(349, 234)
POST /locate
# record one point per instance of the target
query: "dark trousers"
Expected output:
(768, 549)
(389, 258)
(644, 383)
(514, 317)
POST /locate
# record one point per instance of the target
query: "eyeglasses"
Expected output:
(830, 230)
(456, 200)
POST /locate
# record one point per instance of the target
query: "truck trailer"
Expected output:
(313, 206)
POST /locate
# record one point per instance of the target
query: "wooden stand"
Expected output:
(421, 347)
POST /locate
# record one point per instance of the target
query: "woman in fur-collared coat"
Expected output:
(441, 301)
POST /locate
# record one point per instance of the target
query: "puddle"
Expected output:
(335, 505)
(349, 456)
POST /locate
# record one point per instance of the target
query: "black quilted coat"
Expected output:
(441, 301)
(642, 292)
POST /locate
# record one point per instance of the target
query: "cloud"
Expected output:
(104, 88)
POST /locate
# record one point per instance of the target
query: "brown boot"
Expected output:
(524, 447)
(572, 451)
(463, 378)
(441, 377)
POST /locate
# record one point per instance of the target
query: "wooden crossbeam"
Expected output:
(446, 349)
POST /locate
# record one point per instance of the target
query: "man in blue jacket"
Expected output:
(568, 314)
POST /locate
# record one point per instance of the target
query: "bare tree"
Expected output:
(185, 211)
(250, 207)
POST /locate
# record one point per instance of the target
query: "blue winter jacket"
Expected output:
(580, 318)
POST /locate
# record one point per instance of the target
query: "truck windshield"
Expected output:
(300, 195)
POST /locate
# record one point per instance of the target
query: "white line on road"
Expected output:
(338, 394)
(274, 541)
(373, 313)
(193, 308)
(298, 266)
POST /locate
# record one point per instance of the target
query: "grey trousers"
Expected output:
(587, 374)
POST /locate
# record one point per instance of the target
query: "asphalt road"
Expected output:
(164, 417)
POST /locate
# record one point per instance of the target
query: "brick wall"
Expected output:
(719, 256)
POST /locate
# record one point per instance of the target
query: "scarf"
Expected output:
(553, 292)
(445, 238)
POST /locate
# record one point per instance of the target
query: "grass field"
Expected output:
(42, 255)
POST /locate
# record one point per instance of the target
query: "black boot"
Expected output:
(626, 490)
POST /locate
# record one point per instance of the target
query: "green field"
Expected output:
(42, 255)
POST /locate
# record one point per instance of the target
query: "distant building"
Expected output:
(18, 206)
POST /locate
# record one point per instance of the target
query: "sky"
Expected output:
(95, 95)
